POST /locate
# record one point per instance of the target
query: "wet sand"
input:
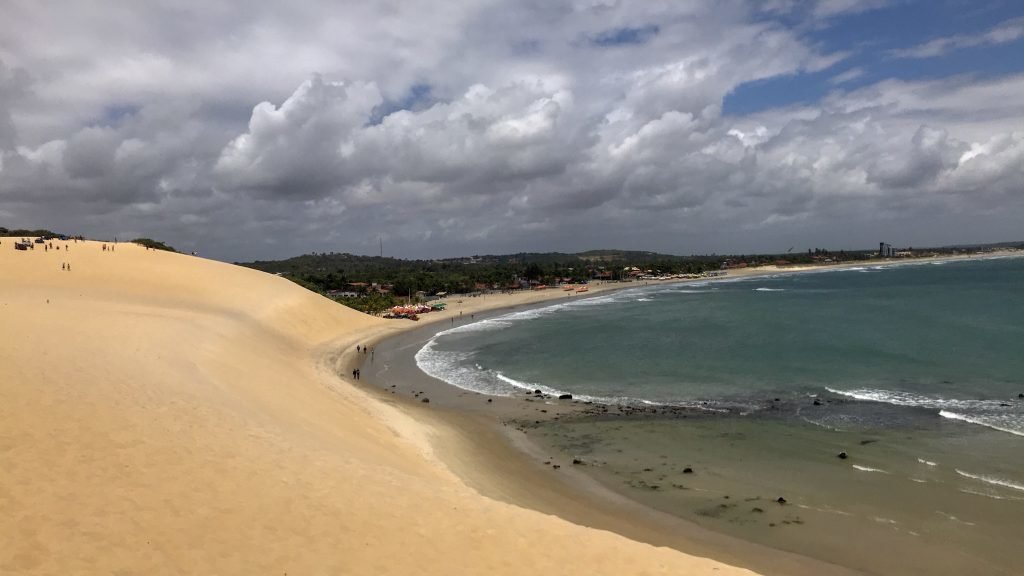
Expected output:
(166, 414)
(630, 479)
(491, 446)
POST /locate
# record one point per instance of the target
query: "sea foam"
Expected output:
(991, 480)
(1002, 422)
(869, 469)
(992, 414)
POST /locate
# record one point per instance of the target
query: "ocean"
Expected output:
(915, 369)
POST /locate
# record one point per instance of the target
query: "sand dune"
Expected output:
(161, 413)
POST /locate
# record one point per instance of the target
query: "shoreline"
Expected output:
(171, 414)
(166, 414)
(478, 425)
(479, 442)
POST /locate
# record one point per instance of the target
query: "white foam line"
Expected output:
(825, 510)
(928, 462)
(869, 469)
(993, 496)
(991, 480)
(979, 422)
(954, 518)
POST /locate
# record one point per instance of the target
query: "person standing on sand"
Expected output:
(358, 349)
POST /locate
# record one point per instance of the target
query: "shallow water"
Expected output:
(913, 370)
(904, 501)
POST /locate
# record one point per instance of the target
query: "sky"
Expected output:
(260, 130)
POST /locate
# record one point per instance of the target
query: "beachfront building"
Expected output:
(886, 250)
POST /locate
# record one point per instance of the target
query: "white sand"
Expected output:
(169, 414)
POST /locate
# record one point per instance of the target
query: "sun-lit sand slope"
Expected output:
(161, 413)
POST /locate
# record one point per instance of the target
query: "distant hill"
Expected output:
(24, 233)
(346, 272)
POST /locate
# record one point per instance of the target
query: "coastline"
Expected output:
(168, 414)
(481, 425)
(479, 442)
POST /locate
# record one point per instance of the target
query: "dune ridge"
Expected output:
(161, 413)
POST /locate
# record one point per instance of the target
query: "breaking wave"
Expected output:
(991, 480)
(994, 414)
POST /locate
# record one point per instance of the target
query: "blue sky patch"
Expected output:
(621, 36)
(974, 38)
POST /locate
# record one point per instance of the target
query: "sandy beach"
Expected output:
(161, 413)
(543, 475)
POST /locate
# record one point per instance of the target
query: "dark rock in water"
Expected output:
(537, 392)
(1004, 404)
(577, 461)
(817, 402)
(647, 469)
(565, 397)
(866, 442)
(490, 400)
(775, 400)
(756, 509)
(555, 466)
(425, 400)
(843, 456)
(781, 500)
(687, 470)
(1021, 395)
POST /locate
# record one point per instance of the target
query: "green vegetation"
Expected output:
(373, 284)
(371, 303)
(403, 278)
(23, 233)
(154, 244)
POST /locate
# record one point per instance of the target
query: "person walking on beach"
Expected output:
(358, 349)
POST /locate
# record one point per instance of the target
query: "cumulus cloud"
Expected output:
(454, 128)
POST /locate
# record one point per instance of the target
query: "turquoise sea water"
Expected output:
(913, 369)
(938, 339)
